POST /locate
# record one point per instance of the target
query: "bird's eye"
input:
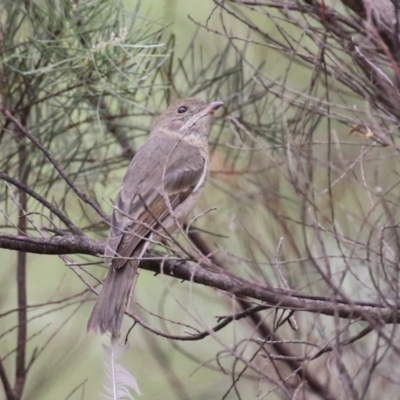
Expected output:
(182, 109)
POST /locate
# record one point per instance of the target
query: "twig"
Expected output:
(84, 197)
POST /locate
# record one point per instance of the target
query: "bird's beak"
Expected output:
(213, 106)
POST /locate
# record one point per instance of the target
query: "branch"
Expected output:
(264, 330)
(20, 368)
(74, 229)
(280, 298)
(6, 384)
(78, 244)
(48, 155)
(178, 269)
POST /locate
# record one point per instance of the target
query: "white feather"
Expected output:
(119, 380)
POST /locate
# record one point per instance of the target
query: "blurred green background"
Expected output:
(196, 59)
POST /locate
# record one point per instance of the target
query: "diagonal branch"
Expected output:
(218, 279)
(48, 155)
(73, 228)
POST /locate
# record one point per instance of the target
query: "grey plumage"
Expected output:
(160, 188)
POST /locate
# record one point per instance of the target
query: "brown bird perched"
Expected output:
(160, 188)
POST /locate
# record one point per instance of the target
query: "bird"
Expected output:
(160, 188)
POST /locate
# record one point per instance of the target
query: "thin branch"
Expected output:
(6, 384)
(73, 228)
(20, 368)
(84, 197)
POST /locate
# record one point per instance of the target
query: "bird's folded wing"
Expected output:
(137, 213)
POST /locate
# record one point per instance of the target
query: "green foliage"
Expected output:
(303, 190)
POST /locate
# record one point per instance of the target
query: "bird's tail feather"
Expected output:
(114, 299)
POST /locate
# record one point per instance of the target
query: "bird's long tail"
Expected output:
(114, 299)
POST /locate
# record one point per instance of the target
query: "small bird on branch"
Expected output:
(161, 186)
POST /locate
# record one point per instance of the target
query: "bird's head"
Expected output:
(187, 117)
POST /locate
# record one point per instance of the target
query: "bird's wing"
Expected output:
(174, 169)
